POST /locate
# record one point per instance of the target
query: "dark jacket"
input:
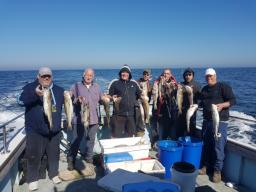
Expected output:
(129, 91)
(35, 119)
(218, 93)
(196, 93)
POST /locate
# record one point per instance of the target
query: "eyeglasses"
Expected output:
(45, 76)
(188, 74)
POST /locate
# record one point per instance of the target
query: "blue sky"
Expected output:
(142, 33)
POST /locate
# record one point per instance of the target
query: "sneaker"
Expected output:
(33, 186)
(202, 171)
(56, 180)
(216, 177)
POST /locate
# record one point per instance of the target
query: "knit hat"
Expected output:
(188, 70)
(127, 69)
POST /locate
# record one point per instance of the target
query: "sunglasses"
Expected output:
(45, 76)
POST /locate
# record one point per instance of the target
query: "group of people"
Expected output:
(168, 117)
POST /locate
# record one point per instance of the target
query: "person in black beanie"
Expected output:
(181, 128)
(124, 92)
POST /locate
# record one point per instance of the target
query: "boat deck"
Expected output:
(89, 183)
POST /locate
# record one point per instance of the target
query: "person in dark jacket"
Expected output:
(40, 137)
(222, 96)
(181, 127)
(123, 119)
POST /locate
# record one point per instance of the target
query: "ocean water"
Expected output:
(242, 80)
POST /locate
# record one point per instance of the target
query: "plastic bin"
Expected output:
(135, 146)
(184, 174)
(169, 153)
(117, 157)
(150, 166)
(151, 186)
(192, 150)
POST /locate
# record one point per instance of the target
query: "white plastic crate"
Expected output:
(149, 166)
(135, 146)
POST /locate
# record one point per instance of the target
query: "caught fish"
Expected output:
(169, 89)
(145, 101)
(160, 87)
(85, 114)
(106, 104)
(180, 99)
(145, 106)
(189, 91)
(215, 121)
(139, 116)
(142, 112)
(68, 106)
(190, 112)
(47, 100)
(155, 94)
(116, 103)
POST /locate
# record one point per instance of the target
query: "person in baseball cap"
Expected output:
(210, 71)
(216, 100)
(45, 71)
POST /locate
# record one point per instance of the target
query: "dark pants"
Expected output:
(83, 133)
(123, 126)
(167, 129)
(213, 149)
(181, 126)
(36, 147)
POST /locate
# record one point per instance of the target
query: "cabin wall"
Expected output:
(6, 185)
(240, 166)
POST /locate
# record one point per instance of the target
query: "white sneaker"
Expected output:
(33, 186)
(56, 180)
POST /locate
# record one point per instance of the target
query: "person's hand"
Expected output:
(81, 99)
(114, 98)
(105, 98)
(220, 106)
(39, 91)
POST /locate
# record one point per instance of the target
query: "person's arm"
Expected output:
(228, 97)
(29, 96)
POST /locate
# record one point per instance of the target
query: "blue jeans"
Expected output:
(213, 149)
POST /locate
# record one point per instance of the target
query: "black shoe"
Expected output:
(89, 161)
(71, 164)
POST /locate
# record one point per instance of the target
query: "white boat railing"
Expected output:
(4, 149)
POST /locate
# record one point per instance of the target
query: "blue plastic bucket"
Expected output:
(192, 150)
(169, 152)
(151, 186)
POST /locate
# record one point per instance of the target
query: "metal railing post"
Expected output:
(5, 150)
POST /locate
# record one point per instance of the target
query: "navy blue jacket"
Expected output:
(129, 91)
(35, 119)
